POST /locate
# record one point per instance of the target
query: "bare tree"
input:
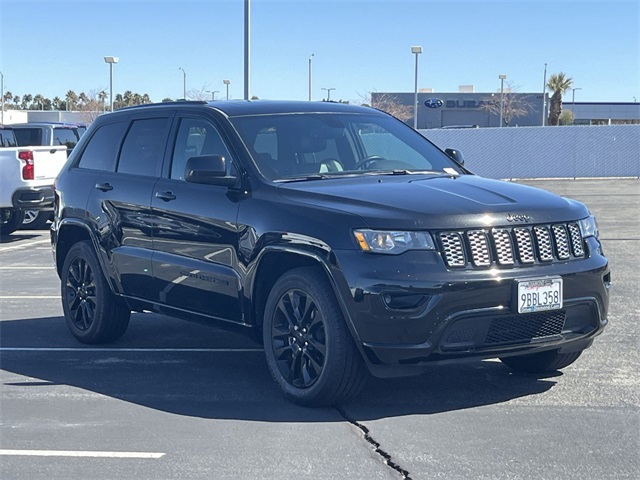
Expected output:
(388, 103)
(513, 104)
(201, 94)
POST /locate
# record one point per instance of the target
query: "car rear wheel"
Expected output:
(543, 362)
(309, 350)
(93, 313)
(35, 220)
(10, 220)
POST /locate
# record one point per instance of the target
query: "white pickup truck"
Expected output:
(26, 179)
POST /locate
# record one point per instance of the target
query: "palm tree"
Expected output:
(26, 101)
(38, 102)
(8, 96)
(558, 83)
(56, 103)
(72, 100)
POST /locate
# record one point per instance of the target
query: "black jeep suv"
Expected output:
(348, 241)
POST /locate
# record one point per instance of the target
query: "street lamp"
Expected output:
(2, 98)
(573, 96)
(310, 57)
(213, 94)
(110, 61)
(227, 82)
(328, 93)
(501, 77)
(417, 50)
(184, 83)
(573, 102)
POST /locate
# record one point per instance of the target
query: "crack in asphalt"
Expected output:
(386, 457)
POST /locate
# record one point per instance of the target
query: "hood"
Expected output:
(434, 202)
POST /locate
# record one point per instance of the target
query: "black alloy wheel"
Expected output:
(94, 314)
(81, 294)
(309, 350)
(298, 338)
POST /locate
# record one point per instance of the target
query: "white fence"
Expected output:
(546, 152)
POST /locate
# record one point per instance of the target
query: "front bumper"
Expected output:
(408, 311)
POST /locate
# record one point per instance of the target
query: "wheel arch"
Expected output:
(273, 262)
(68, 233)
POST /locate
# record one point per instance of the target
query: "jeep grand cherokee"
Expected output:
(349, 242)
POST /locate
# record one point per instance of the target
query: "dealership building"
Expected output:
(468, 109)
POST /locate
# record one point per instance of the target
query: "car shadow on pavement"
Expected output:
(226, 377)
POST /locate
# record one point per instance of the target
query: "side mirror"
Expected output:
(456, 155)
(210, 170)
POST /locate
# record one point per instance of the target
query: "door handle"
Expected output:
(166, 196)
(105, 187)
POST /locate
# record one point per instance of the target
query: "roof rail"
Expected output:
(173, 102)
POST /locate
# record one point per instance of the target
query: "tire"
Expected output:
(10, 220)
(309, 349)
(34, 219)
(543, 362)
(92, 312)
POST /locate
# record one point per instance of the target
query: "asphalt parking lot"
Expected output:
(174, 400)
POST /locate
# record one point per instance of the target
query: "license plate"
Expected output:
(539, 295)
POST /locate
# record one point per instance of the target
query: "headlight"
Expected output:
(392, 242)
(589, 227)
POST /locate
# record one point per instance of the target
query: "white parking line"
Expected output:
(23, 245)
(28, 297)
(135, 350)
(28, 268)
(79, 453)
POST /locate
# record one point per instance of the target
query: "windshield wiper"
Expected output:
(315, 176)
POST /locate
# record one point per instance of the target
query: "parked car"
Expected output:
(26, 182)
(345, 239)
(48, 133)
(41, 134)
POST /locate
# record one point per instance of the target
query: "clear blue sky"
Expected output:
(49, 47)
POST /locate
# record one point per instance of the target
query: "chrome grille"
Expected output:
(480, 255)
(525, 245)
(453, 249)
(562, 241)
(504, 250)
(507, 247)
(576, 240)
(543, 241)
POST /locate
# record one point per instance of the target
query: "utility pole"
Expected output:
(544, 97)
(247, 39)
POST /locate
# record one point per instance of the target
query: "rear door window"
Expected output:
(143, 148)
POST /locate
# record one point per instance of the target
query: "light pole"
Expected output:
(544, 96)
(2, 98)
(310, 57)
(247, 48)
(573, 101)
(213, 93)
(184, 83)
(227, 82)
(417, 50)
(501, 77)
(110, 61)
(328, 93)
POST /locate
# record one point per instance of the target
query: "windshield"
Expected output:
(317, 145)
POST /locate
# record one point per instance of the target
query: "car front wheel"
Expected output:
(93, 313)
(310, 352)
